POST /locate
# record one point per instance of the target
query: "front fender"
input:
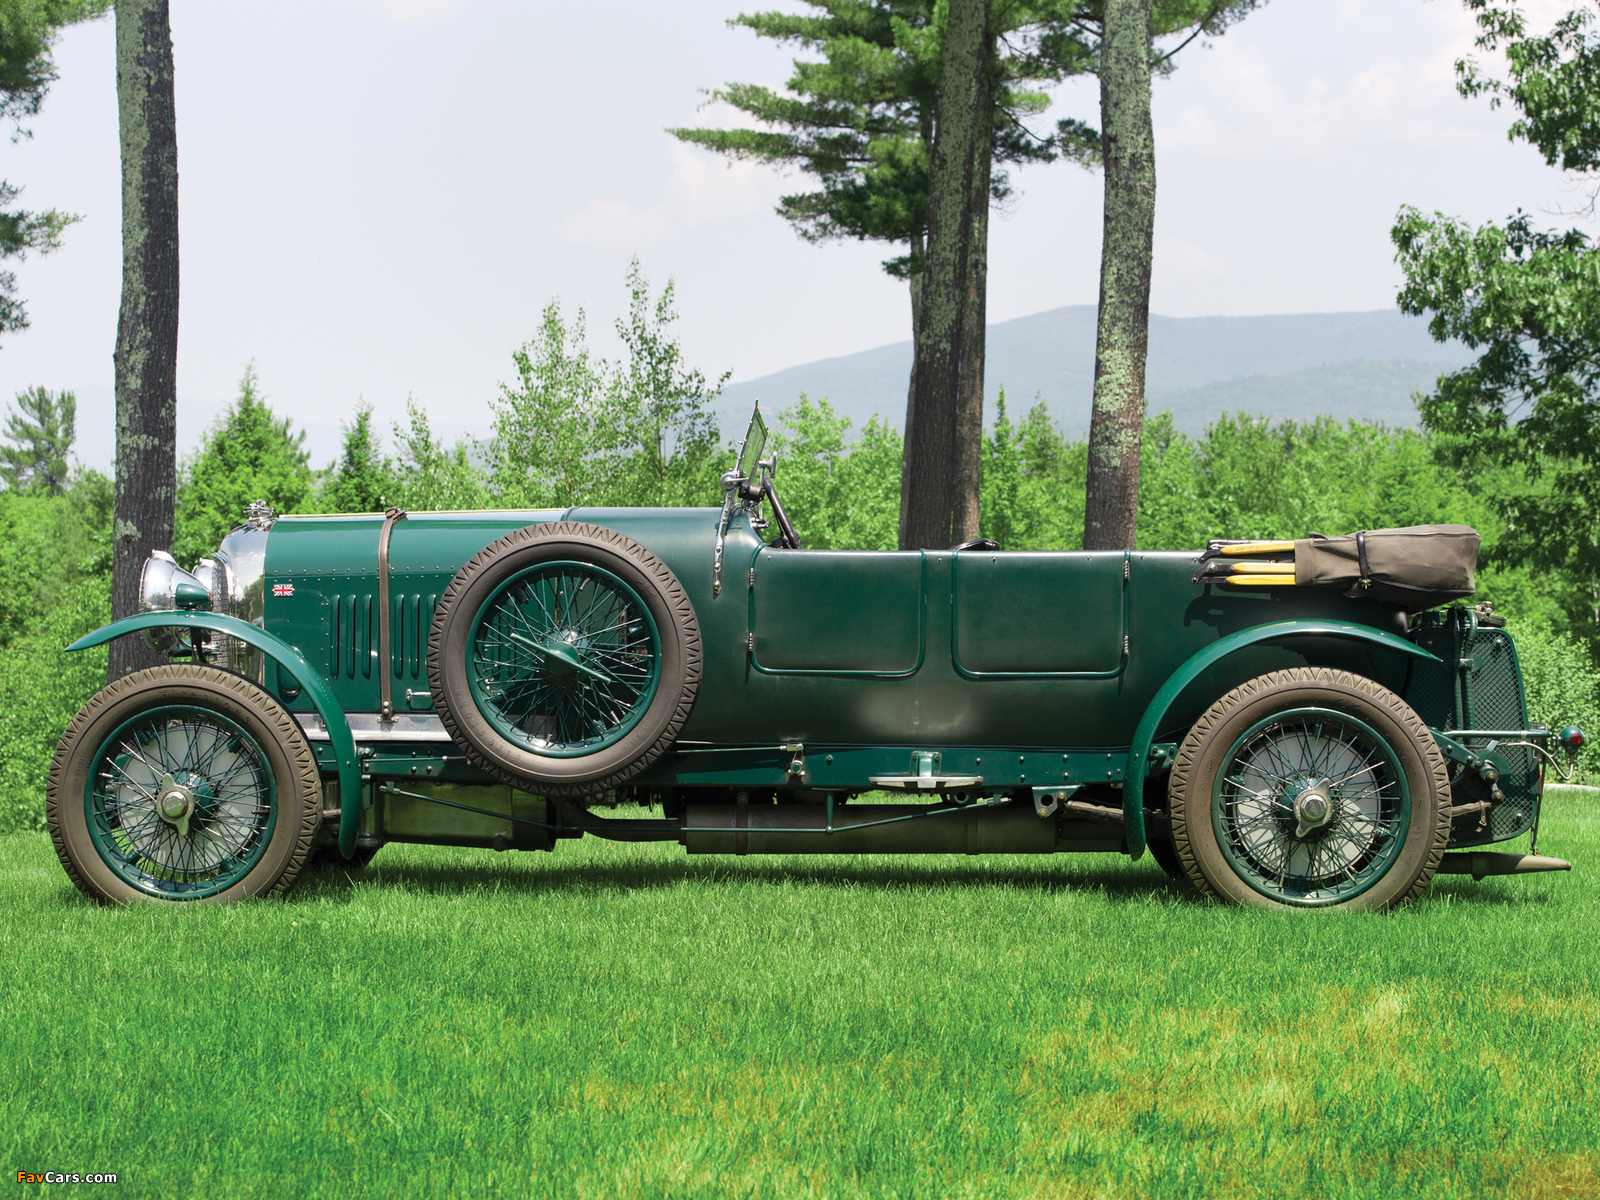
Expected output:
(289, 659)
(1139, 753)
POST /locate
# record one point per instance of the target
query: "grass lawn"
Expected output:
(624, 1021)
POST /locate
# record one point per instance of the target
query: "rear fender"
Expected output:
(1139, 753)
(288, 659)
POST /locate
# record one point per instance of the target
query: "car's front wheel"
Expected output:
(183, 783)
(1310, 788)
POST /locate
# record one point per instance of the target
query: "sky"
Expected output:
(378, 198)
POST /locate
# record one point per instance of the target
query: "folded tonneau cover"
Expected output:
(1419, 566)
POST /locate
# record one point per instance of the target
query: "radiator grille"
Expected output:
(1486, 695)
(1495, 701)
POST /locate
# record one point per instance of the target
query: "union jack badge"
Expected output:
(283, 589)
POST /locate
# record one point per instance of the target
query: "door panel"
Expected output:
(837, 611)
(1020, 613)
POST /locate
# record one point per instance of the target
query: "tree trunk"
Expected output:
(918, 251)
(1128, 148)
(974, 315)
(146, 357)
(928, 476)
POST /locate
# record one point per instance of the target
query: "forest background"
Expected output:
(574, 428)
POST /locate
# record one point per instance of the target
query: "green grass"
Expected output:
(624, 1021)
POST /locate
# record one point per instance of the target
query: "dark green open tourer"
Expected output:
(1286, 724)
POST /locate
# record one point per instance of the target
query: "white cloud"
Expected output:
(705, 186)
(614, 225)
(1257, 109)
(701, 188)
(1182, 262)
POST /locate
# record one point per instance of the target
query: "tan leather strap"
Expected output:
(385, 658)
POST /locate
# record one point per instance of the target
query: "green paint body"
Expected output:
(1027, 669)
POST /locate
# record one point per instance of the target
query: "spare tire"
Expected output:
(564, 658)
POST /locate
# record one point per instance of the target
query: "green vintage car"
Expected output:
(1287, 725)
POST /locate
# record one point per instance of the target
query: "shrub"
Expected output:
(1563, 687)
(41, 689)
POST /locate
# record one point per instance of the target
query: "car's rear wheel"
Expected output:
(183, 783)
(564, 658)
(1310, 788)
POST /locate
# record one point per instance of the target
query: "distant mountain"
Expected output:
(1367, 391)
(1363, 364)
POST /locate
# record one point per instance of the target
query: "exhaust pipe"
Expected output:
(1479, 863)
(884, 829)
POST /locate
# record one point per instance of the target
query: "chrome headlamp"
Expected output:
(164, 586)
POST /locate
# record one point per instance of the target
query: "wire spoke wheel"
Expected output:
(565, 659)
(1310, 807)
(183, 783)
(181, 802)
(1310, 788)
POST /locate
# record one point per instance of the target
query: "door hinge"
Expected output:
(1127, 569)
(752, 577)
(750, 642)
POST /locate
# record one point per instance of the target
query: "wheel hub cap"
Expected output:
(1312, 809)
(561, 654)
(175, 805)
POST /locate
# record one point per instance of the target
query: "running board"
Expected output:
(1481, 863)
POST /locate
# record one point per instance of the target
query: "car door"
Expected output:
(837, 612)
(1017, 613)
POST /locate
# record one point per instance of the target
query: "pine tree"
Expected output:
(862, 122)
(1126, 248)
(363, 478)
(249, 454)
(146, 355)
(40, 431)
(28, 29)
(933, 502)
